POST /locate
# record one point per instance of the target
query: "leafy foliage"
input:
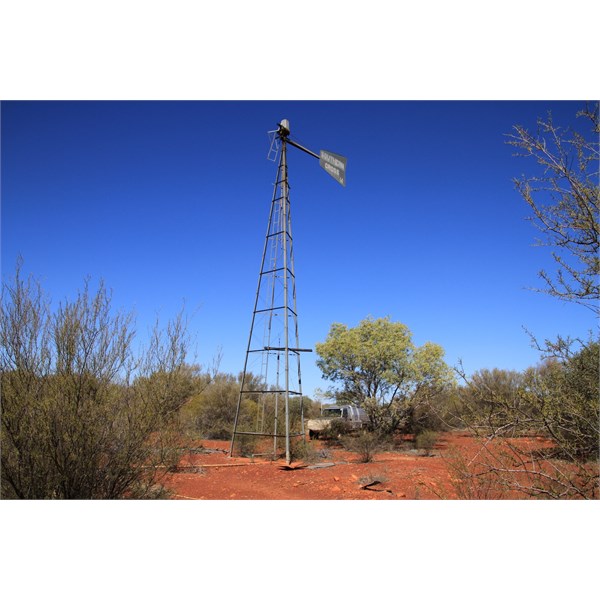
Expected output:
(381, 370)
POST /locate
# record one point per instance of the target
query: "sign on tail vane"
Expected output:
(335, 165)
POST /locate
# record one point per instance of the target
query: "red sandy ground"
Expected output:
(213, 475)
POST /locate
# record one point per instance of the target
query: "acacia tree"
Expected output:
(564, 200)
(378, 368)
(83, 416)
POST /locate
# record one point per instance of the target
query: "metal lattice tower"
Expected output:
(271, 382)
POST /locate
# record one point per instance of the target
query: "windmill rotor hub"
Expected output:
(284, 128)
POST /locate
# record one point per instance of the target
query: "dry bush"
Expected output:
(82, 415)
(366, 444)
(520, 468)
(426, 441)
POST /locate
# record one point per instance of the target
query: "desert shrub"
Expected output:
(564, 398)
(211, 413)
(82, 415)
(246, 445)
(426, 440)
(299, 410)
(472, 481)
(365, 443)
(435, 412)
(337, 429)
(558, 400)
(302, 450)
(492, 399)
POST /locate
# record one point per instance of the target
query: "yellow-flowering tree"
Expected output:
(377, 367)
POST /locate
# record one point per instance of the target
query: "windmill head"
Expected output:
(282, 132)
(284, 128)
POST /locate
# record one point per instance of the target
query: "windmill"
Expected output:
(271, 382)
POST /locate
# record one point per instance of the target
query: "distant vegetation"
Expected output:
(210, 413)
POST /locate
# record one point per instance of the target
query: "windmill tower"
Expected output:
(270, 399)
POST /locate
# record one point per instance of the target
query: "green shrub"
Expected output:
(426, 441)
(304, 451)
(365, 443)
(246, 445)
(211, 413)
(84, 414)
(337, 429)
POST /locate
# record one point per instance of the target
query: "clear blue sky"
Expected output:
(168, 202)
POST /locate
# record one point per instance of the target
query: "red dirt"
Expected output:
(213, 475)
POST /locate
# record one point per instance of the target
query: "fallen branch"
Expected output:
(369, 487)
